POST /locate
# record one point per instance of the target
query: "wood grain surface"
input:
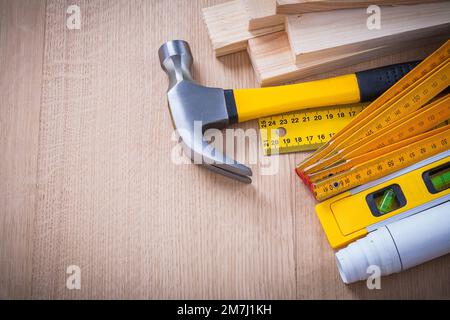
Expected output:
(86, 177)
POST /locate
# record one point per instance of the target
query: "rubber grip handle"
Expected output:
(373, 83)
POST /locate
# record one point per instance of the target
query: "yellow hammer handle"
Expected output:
(262, 102)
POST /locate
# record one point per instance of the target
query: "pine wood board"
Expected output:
(274, 64)
(262, 14)
(305, 6)
(316, 36)
(227, 26)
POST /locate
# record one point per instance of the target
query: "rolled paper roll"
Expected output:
(398, 246)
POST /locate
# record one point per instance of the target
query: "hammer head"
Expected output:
(193, 108)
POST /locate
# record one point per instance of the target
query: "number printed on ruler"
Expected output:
(305, 130)
(412, 100)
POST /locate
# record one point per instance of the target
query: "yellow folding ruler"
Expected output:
(400, 128)
(305, 130)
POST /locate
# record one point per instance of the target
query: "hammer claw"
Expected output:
(230, 172)
(215, 160)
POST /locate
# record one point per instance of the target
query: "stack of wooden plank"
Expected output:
(292, 39)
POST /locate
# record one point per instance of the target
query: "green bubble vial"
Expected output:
(387, 201)
(441, 180)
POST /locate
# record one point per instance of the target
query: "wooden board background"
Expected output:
(86, 177)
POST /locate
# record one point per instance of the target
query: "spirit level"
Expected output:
(353, 214)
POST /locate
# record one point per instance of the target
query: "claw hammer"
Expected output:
(191, 103)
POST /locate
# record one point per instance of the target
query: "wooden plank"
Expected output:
(21, 49)
(262, 14)
(274, 63)
(228, 25)
(319, 35)
(305, 6)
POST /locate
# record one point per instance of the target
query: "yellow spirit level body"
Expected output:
(350, 215)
